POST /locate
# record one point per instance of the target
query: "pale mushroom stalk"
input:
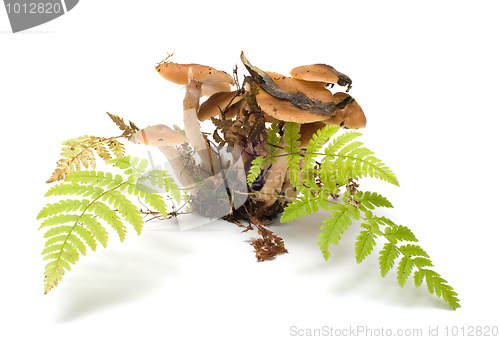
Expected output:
(274, 179)
(193, 130)
(178, 166)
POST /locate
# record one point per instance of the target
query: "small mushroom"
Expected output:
(200, 80)
(217, 103)
(166, 139)
(321, 73)
(213, 80)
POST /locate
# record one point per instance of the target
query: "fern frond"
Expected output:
(79, 152)
(74, 225)
(414, 259)
(351, 160)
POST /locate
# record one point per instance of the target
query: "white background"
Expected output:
(427, 76)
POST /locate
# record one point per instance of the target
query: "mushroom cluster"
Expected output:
(242, 115)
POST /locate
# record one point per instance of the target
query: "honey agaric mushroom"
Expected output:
(217, 103)
(321, 73)
(200, 80)
(284, 110)
(350, 117)
(298, 99)
(166, 139)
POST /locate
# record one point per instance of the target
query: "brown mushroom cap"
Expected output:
(160, 135)
(350, 117)
(218, 102)
(213, 80)
(313, 90)
(320, 73)
(284, 110)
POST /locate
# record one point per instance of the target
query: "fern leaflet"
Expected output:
(79, 152)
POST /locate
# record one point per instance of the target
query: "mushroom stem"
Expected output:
(193, 130)
(273, 182)
(178, 165)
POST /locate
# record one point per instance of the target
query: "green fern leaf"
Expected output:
(318, 140)
(364, 244)
(301, 206)
(352, 161)
(388, 254)
(413, 250)
(333, 228)
(95, 228)
(63, 189)
(127, 209)
(156, 202)
(273, 140)
(171, 187)
(418, 278)
(110, 217)
(404, 269)
(336, 144)
(399, 233)
(63, 206)
(86, 236)
(422, 262)
(370, 200)
(256, 168)
(55, 231)
(437, 285)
